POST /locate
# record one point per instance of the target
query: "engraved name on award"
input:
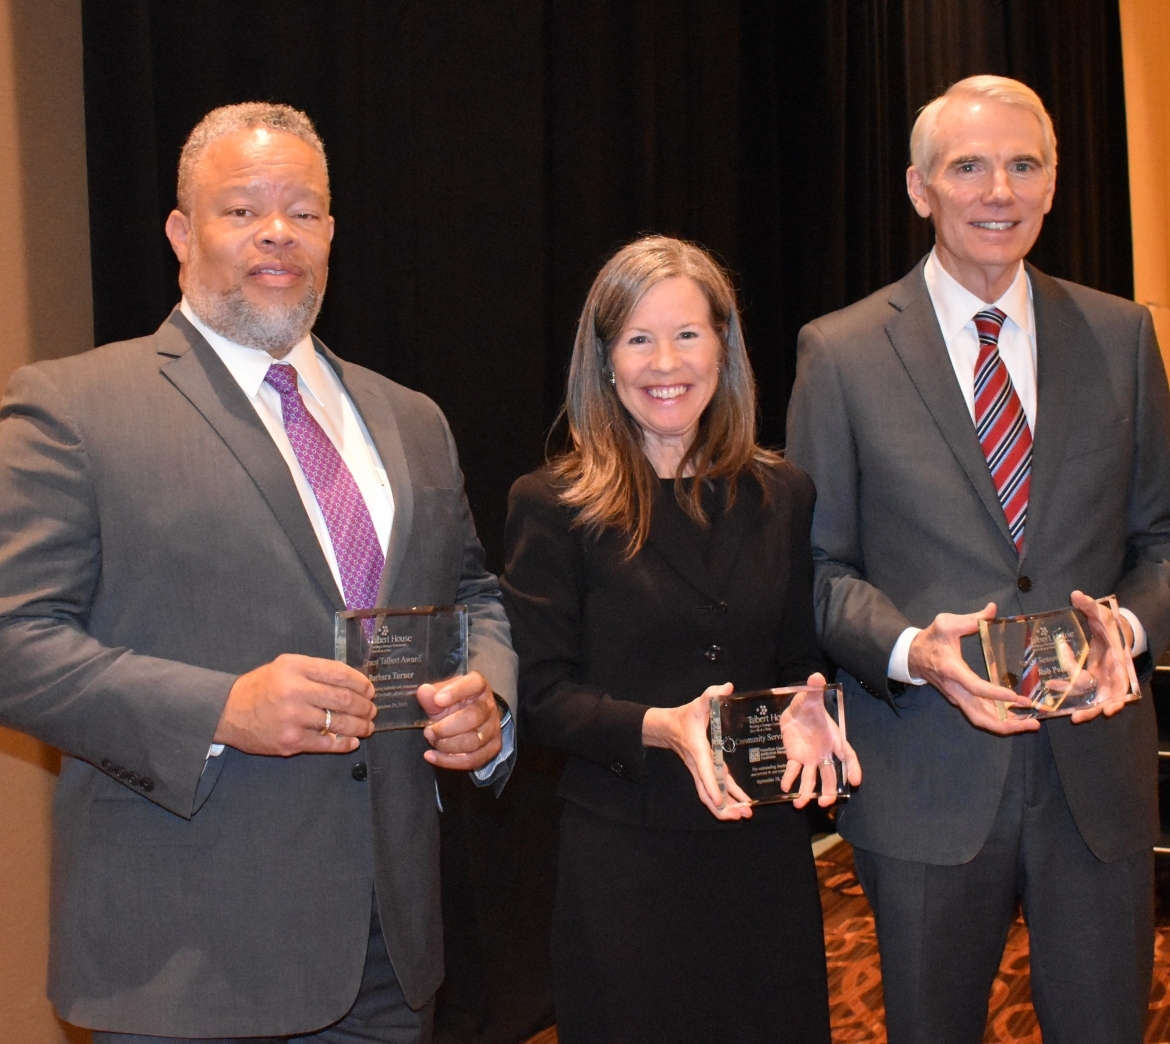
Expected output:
(399, 650)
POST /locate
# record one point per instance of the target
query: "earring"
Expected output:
(613, 378)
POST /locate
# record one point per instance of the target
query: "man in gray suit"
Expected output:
(236, 852)
(985, 439)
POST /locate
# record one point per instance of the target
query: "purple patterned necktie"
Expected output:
(355, 543)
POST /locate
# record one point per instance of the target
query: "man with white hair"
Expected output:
(237, 854)
(986, 439)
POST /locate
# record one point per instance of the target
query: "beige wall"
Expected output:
(1145, 39)
(45, 311)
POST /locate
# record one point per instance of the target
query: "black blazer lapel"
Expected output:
(192, 366)
(914, 332)
(380, 422)
(673, 537)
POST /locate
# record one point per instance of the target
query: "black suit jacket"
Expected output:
(602, 638)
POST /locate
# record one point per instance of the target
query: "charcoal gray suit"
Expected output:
(908, 525)
(153, 547)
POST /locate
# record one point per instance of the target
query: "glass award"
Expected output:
(1050, 658)
(754, 735)
(399, 650)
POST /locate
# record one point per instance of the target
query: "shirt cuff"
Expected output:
(899, 665)
(1139, 633)
(216, 749)
(507, 746)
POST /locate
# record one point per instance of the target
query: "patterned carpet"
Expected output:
(855, 988)
(855, 976)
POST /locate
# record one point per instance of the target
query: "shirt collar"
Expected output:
(956, 306)
(250, 365)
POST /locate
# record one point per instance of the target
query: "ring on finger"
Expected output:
(826, 761)
(325, 729)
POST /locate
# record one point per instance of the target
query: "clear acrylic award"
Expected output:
(754, 735)
(1051, 659)
(399, 650)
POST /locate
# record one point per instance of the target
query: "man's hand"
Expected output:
(465, 722)
(283, 708)
(685, 731)
(936, 655)
(1106, 662)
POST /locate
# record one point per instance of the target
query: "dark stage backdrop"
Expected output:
(488, 155)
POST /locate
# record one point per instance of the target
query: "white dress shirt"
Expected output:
(955, 307)
(329, 403)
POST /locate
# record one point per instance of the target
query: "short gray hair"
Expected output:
(229, 118)
(924, 147)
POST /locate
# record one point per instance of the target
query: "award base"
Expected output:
(399, 650)
(754, 735)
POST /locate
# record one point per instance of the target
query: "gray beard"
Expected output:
(274, 329)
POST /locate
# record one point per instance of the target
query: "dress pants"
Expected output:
(941, 929)
(380, 1014)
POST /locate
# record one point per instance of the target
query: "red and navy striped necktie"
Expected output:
(1002, 426)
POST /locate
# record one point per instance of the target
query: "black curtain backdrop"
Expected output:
(488, 155)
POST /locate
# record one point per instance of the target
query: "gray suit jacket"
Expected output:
(152, 548)
(908, 524)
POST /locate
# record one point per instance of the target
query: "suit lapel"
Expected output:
(675, 538)
(380, 422)
(914, 332)
(1068, 379)
(730, 527)
(192, 366)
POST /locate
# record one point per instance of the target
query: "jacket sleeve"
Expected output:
(544, 592)
(1145, 586)
(857, 624)
(800, 652)
(490, 640)
(144, 721)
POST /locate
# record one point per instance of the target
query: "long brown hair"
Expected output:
(606, 473)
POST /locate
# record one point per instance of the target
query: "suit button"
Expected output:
(146, 783)
(120, 772)
(132, 779)
(714, 653)
(107, 764)
(617, 767)
(359, 771)
(1024, 584)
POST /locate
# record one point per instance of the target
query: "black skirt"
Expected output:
(688, 937)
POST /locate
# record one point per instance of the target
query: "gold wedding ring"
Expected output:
(328, 722)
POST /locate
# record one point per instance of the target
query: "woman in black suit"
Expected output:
(666, 558)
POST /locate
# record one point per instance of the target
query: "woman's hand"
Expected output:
(685, 731)
(811, 740)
